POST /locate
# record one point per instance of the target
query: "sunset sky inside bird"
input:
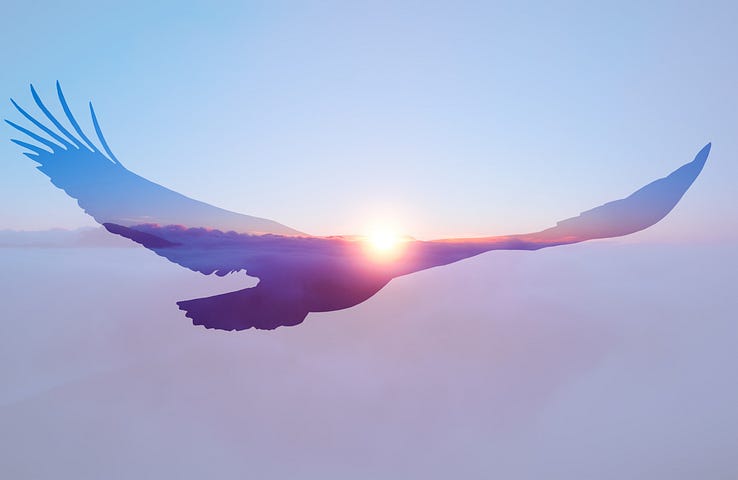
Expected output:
(298, 273)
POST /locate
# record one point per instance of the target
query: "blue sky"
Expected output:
(431, 118)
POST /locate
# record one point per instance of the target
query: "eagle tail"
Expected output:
(253, 307)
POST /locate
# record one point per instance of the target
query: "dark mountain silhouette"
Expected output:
(298, 273)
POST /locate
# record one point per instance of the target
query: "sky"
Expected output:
(426, 118)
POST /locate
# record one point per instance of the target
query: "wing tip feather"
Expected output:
(81, 142)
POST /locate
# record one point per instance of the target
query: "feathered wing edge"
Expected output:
(640, 210)
(63, 139)
(55, 146)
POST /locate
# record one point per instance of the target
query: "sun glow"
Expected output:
(384, 245)
(383, 240)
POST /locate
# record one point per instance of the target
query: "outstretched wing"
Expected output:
(636, 212)
(108, 191)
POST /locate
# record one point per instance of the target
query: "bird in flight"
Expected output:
(298, 273)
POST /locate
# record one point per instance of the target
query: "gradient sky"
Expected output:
(431, 118)
(600, 360)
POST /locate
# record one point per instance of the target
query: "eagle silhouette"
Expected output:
(298, 273)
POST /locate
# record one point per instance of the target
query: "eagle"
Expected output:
(298, 273)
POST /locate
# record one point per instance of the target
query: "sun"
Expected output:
(384, 245)
(383, 240)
